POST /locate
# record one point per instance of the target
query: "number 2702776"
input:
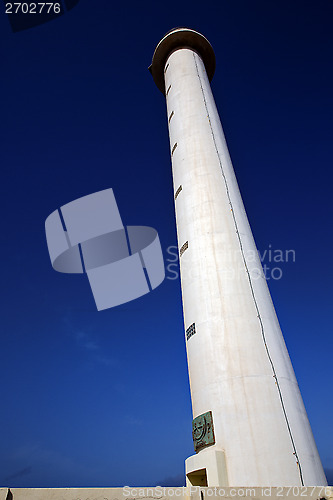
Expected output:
(33, 8)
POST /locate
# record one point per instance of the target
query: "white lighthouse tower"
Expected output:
(250, 426)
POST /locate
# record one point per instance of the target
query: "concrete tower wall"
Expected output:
(239, 367)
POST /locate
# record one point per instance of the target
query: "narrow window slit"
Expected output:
(178, 191)
(171, 116)
(173, 149)
(168, 90)
(183, 248)
(166, 67)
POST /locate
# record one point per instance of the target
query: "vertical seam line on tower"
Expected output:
(250, 281)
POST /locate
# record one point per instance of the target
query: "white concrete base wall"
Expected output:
(160, 492)
(213, 461)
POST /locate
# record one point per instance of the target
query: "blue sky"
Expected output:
(102, 398)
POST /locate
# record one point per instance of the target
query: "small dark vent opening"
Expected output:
(190, 331)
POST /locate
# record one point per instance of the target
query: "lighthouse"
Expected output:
(250, 427)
